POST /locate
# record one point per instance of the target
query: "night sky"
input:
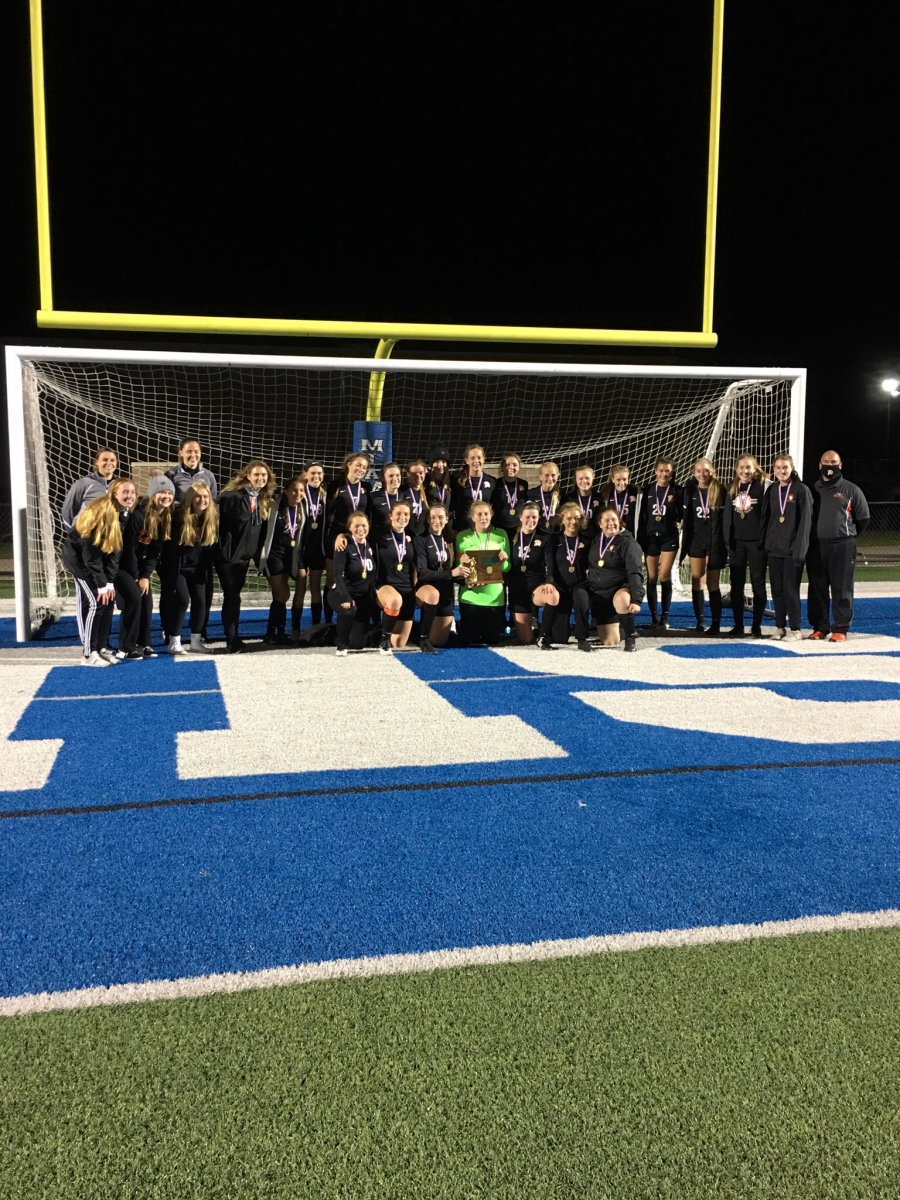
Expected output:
(504, 163)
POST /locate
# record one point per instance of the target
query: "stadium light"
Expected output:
(891, 386)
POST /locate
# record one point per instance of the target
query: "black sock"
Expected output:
(316, 610)
(737, 607)
(651, 598)
(666, 597)
(277, 617)
(425, 621)
(626, 624)
(715, 607)
(547, 618)
(697, 599)
(387, 626)
(297, 616)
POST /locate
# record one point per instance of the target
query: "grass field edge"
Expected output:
(192, 987)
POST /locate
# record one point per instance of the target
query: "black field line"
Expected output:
(433, 785)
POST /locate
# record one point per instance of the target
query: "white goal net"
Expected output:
(65, 404)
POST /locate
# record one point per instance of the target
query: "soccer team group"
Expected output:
(509, 556)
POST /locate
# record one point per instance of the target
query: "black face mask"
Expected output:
(830, 474)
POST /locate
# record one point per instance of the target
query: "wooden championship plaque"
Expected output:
(484, 567)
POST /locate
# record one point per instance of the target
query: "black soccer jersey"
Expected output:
(742, 518)
(396, 560)
(355, 569)
(590, 505)
(548, 503)
(661, 510)
(345, 499)
(626, 504)
(566, 558)
(433, 558)
(465, 494)
(528, 554)
(508, 495)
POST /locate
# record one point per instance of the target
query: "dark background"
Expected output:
(506, 163)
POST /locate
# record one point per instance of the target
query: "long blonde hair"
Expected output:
(715, 485)
(198, 531)
(157, 521)
(759, 474)
(242, 480)
(99, 520)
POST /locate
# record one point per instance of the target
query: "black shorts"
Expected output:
(660, 543)
(699, 548)
(276, 566)
(603, 610)
(312, 556)
(407, 605)
(446, 606)
(521, 589)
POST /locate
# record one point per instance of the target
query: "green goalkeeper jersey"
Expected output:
(488, 595)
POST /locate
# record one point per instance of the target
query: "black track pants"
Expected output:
(830, 567)
(784, 577)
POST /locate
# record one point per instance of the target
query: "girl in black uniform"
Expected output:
(660, 513)
(616, 579)
(566, 557)
(281, 557)
(703, 541)
(471, 486)
(584, 495)
(185, 563)
(621, 494)
(313, 502)
(414, 491)
(546, 495)
(395, 579)
(742, 530)
(786, 520)
(382, 502)
(527, 586)
(148, 525)
(353, 592)
(244, 505)
(438, 485)
(350, 493)
(509, 492)
(435, 574)
(92, 551)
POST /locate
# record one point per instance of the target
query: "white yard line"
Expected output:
(434, 960)
(133, 695)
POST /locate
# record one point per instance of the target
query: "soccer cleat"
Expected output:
(663, 622)
(95, 660)
(838, 637)
(630, 645)
(780, 634)
(544, 644)
(426, 647)
(585, 646)
(110, 656)
(817, 636)
(341, 652)
(386, 647)
(149, 652)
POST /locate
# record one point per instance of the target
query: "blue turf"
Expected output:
(116, 897)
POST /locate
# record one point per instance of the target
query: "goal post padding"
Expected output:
(289, 410)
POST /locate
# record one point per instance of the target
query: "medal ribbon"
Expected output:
(399, 546)
(704, 504)
(476, 495)
(571, 557)
(548, 509)
(314, 508)
(661, 504)
(441, 553)
(590, 500)
(363, 554)
(292, 525)
(524, 550)
(355, 502)
(782, 504)
(416, 502)
(604, 550)
(513, 499)
(620, 512)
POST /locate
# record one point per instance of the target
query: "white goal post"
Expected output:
(65, 403)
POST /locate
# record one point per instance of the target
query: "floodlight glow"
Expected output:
(891, 386)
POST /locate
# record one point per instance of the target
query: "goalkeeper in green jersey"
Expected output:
(482, 598)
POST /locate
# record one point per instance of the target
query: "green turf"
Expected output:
(766, 1069)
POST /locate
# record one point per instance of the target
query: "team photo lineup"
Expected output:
(516, 559)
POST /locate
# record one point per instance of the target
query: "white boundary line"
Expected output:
(434, 960)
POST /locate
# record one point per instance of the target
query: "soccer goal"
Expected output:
(65, 403)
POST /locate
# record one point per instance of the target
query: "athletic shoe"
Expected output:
(341, 652)
(198, 646)
(175, 646)
(95, 660)
(385, 647)
(700, 627)
(780, 635)
(756, 631)
(663, 622)
(838, 637)
(586, 646)
(713, 630)
(134, 656)
(630, 645)
(426, 647)
(654, 622)
(235, 646)
(544, 644)
(149, 652)
(817, 636)
(795, 635)
(737, 631)
(109, 655)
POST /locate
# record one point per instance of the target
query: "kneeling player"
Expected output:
(616, 580)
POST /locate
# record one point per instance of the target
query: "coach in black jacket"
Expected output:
(840, 514)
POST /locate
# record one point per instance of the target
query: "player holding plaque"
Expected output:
(484, 552)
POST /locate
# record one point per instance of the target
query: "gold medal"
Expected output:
(523, 567)
(571, 570)
(512, 512)
(293, 543)
(314, 524)
(599, 562)
(400, 566)
(743, 515)
(781, 520)
(365, 574)
(659, 518)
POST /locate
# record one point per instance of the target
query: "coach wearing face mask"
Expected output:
(840, 514)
